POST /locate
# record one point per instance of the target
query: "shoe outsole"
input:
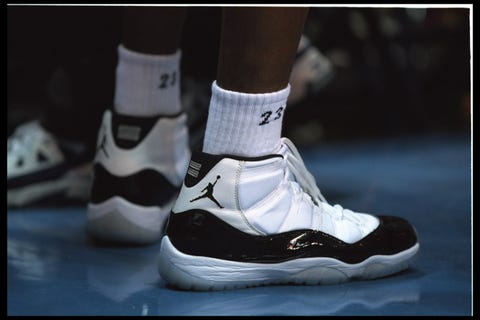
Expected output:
(210, 274)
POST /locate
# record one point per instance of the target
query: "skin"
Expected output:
(257, 44)
(258, 47)
(153, 30)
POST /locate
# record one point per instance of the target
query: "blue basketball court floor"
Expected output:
(53, 269)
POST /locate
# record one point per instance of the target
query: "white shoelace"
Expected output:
(297, 167)
(307, 183)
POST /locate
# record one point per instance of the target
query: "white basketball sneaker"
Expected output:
(44, 169)
(139, 166)
(241, 222)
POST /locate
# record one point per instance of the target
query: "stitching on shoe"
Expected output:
(237, 178)
(237, 199)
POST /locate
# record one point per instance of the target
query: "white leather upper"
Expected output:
(165, 149)
(262, 198)
(23, 146)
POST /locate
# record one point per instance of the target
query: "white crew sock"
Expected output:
(244, 124)
(147, 85)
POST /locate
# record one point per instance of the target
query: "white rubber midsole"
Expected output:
(149, 218)
(177, 268)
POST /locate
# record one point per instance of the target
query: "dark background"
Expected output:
(397, 71)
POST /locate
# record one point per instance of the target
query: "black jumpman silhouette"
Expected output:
(102, 145)
(209, 193)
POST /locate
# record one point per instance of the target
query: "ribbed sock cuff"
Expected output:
(244, 124)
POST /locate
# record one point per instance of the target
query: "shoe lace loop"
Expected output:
(306, 180)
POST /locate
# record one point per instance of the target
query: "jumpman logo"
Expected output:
(209, 193)
(102, 145)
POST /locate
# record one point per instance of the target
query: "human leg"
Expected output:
(273, 225)
(142, 148)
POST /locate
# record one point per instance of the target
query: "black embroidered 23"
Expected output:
(266, 116)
